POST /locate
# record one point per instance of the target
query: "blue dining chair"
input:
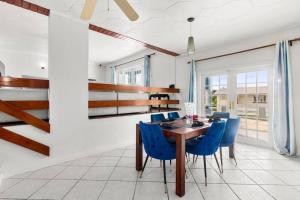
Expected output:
(156, 146)
(231, 129)
(173, 115)
(224, 115)
(157, 117)
(208, 145)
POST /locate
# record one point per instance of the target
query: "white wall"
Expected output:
(72, 135)
(261, 57)
(162, 67)
(22, 63)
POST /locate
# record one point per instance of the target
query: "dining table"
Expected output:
(181, 130)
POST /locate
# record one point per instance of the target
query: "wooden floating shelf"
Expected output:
(30, 105)
(129, 88)
(122, 103)
(24, 83)
(44, 84)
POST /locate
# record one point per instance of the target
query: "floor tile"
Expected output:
(212, 176)
(150, 191)
(227, 164)
(126, 162)
(55, 189)
(72, 172)
(236, 177)
(124, 174)
(7, 183)
(263, 177)
(88, 161)
(23, 189)
(247, 164)
(289, 177)
(192, 192)
(47, 173)
(86, 190)
(116, 190)
(217, 192)
(129, 153)
(107, 161)
(282, 192)
(250, 192)
(116, 152)
(98, 173)
(22, 175)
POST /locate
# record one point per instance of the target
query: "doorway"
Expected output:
(245, 93)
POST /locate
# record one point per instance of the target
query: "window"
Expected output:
(130, 76)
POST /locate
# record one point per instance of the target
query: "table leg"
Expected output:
(231, 151)
(180, 165)
(138, 150)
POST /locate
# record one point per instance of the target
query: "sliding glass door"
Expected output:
(242, 93)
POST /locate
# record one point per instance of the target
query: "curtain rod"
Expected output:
(243, 51)
(133, 60)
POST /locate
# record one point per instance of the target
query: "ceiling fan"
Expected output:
(90, 5)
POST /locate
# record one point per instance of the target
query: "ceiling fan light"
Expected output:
(191, 45)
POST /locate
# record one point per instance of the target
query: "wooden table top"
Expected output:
(184, 129)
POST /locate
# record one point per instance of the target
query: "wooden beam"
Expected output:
(123, 103)
(29, 6)
(17, 139)
(23, 116)
(23, 83)
(30, 105)
(128, 88)
(102, 30)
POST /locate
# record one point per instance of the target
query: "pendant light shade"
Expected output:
(191, 43)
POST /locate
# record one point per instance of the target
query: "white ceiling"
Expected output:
(163, 22)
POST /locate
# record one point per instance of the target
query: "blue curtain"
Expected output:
(193, 86)
(283, 116)
(147, 72)
(113, 75)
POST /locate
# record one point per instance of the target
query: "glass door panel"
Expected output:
(215, 94)
(252, 104)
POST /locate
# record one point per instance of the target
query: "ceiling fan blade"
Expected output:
(127, 9)
(88, 9)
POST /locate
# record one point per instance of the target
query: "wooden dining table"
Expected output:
(182, 132)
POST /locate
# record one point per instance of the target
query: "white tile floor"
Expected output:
(261, 174)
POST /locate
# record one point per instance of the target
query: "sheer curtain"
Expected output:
(193, 86)
(147, 72)
(283, 116)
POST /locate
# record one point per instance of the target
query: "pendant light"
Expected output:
(191, 42)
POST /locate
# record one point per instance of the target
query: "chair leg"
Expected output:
(165, 178)
(221, 158)
(205, 172)
(144, 166)
(217, 163)
(234, 159)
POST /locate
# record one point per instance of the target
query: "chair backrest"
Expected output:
(155, 143)
(231, 129)
(209, 144)
(224, 115)
(173, 115)
(157, 117)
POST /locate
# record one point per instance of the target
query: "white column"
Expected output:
(68, 75)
